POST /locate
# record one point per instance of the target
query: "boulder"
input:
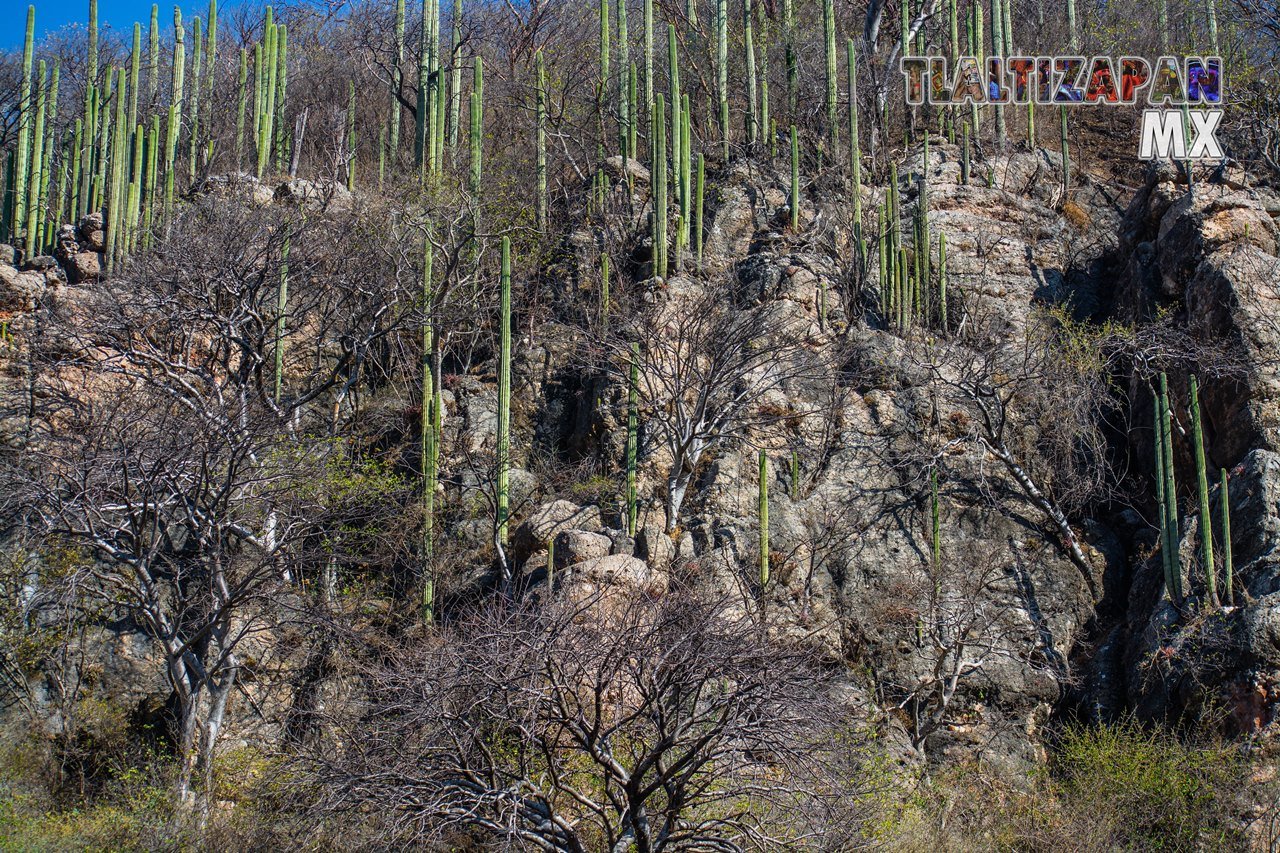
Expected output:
(579, 546)
(236, 185)
(91, 234)
(84, 267)
(613, 574)
(655, 547)
(315, 195)
(20, 290)
(542, 525)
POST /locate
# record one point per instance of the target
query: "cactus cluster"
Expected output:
(1167, 502)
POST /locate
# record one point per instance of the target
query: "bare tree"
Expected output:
(198, 491)
(668, 725)
(709, 372)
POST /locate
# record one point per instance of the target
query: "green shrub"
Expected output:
(1153, 791)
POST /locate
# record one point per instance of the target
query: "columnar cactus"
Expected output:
(964, 155)
(625, 117)
(135, 68)
(427, 79)
(604, 292)
(242, 102)
(633, 436)
(659, 170)
(153, 56)
(455, 78)
(855, 154)
(396, 81)
(1172, 531)
(697, 215)
(1228, 569)
(998, 49)
(26, 114)
(540, 70)
(722, 70)
(793, 67)
(282, 79)
(269, 67)
(936, 516)
(351, 135)
(197, 73)
(504, 395)
(829, 33)
(428, 435)
(1202, 480)
(1166, 552)
(942, 281)
(763, 513)
(795, 180)
(31, 205)
(752, 117)
(602, 93)
(766, 121)
(648, 59)
(282, 314)
(1066, 159)
(477, 125)
(175, 111)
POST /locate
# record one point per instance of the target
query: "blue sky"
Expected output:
(117, 14)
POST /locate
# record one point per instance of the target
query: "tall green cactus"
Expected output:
(175, 112)
(282, 314)
(697, 210)
(1202, 480)
(793, 66)
(855, 155)
(477, 124)
(428, 434)
(396, 83)
(935, 514)
(455, 77)
(625, 117)
(26, 115)
(31, 205)
(633, 436)
(153, 56)
(242, 103)
(1172, 528)
(135, 68)
(1228, 568)
(1166, 552)
(766, 121)
(795, 180)
(1066, 159)
(829, 40)
(197, 72)
(659, 172)
(998, 49)
(351, 135)
(602, 92)
(795, 476)
(722, 70)
(763, 513)
(266, 74)
(752, 117)
(604, 292)
(942, 281)
(648, 59)
(540, 70)
(504, 394)
(282, 131)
